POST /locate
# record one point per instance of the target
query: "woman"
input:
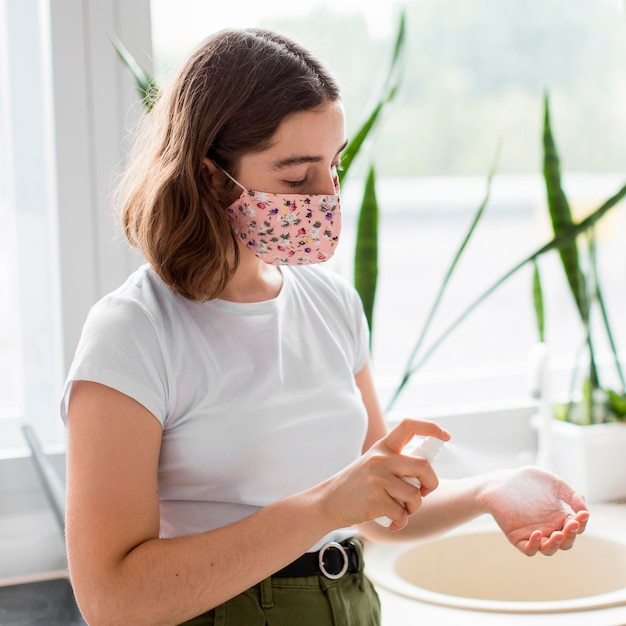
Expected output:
(225, 444)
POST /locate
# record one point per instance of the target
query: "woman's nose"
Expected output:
(329, 186)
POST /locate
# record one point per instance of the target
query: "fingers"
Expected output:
(577, 502)
(552, 544)
(399, 436)
(406, 493)
(538, 543)
(574, 525)
(581, 514)
(405, 478)
(582, 517)
(409, 480)
(573, 499)
(398, 515)
(558, 540)
(417, 472)
(571, 530)
(531, 546)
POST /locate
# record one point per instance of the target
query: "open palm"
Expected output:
(536, 510)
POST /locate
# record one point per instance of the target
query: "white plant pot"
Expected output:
(591, 458)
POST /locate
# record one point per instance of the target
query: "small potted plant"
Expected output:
(583, 438)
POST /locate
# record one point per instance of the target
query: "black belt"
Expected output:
(333, 561)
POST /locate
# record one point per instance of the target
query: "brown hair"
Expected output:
(228, 99)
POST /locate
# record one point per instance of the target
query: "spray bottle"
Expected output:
(428, 449)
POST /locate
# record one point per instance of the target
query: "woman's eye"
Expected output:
(295, 183)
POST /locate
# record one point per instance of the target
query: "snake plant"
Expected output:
(566, 232)
(598, 403)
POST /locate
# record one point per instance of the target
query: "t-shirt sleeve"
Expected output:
(362, 333)
(358, 327)
(120, 348)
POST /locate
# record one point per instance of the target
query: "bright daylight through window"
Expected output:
(475, 74)
(11, 392)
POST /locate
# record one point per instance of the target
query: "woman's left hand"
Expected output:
(536, 510)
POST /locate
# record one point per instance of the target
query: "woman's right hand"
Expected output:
(372, 486)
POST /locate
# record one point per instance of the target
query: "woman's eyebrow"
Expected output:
(344, 145)
(300, 159)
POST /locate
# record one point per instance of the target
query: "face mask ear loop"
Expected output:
(229, 176)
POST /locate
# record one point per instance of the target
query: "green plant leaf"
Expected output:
(587, 402)
(448, 275)
(553, 244)
(366, 251)
(144, 82)
(353, 148)
(389, 91)
(603, 311)
(617, 403)
(538, 302)
(561, 215)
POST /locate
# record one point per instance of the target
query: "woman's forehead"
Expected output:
(307, 136)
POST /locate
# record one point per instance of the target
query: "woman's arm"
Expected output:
(123, 573)
(537, 511)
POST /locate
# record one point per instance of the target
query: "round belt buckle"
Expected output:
(333, 545)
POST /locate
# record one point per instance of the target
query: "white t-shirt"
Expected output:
(257, 400)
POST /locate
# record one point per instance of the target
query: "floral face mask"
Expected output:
(287, 229)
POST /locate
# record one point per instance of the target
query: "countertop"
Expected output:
(31, 547)
(31, 540)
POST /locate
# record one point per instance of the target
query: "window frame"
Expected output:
(62, 74)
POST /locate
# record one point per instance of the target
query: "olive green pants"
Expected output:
(303, 601)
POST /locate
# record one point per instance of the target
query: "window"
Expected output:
(476, 71)
(65, 108)
(29, 317)
(11, 393)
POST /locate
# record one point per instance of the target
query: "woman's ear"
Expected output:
(216, 176)
(220, 186)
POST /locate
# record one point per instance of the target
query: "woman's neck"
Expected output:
(253, 281)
